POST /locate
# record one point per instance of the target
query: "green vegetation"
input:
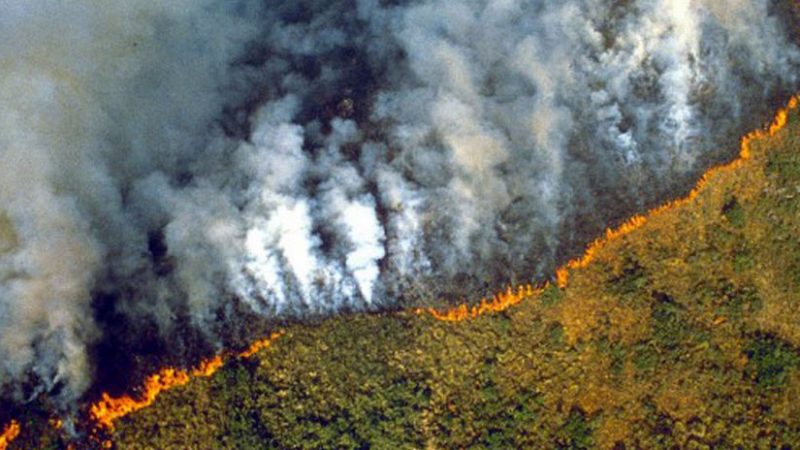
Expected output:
(682, 334)
(770, 361)
(734, 212)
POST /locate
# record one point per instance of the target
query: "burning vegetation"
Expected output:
(358, 188)
(109, 409)
(10, 432)
(218, 161)
(676, 331)
(512, 296)
(582, 364)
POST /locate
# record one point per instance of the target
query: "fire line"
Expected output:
(10, 432)
(511, 296)
(108, 410)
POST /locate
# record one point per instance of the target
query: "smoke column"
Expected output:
(171, 167)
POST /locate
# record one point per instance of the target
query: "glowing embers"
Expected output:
(109, 409)
(10, 432)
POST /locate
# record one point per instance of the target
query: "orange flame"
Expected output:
(56, 423)
(109, 409)
(10, 432)
(500, 302)
(510, 298)
(636, 222)
(260, 344)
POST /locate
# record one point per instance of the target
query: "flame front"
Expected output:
(10, 432)
(109, 409)
(499, 302)
(511, 297)
(260, 344)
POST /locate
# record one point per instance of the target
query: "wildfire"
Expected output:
(510, 298)
(636, 222)
(260, 344)
(499, 302)
(10, 432)
(109, 409)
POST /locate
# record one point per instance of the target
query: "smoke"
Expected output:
(168, 164)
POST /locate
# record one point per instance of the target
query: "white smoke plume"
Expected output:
(170, 163)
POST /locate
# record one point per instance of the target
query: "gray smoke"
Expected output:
(308, 157)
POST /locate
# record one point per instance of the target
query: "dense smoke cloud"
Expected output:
(177, 161)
